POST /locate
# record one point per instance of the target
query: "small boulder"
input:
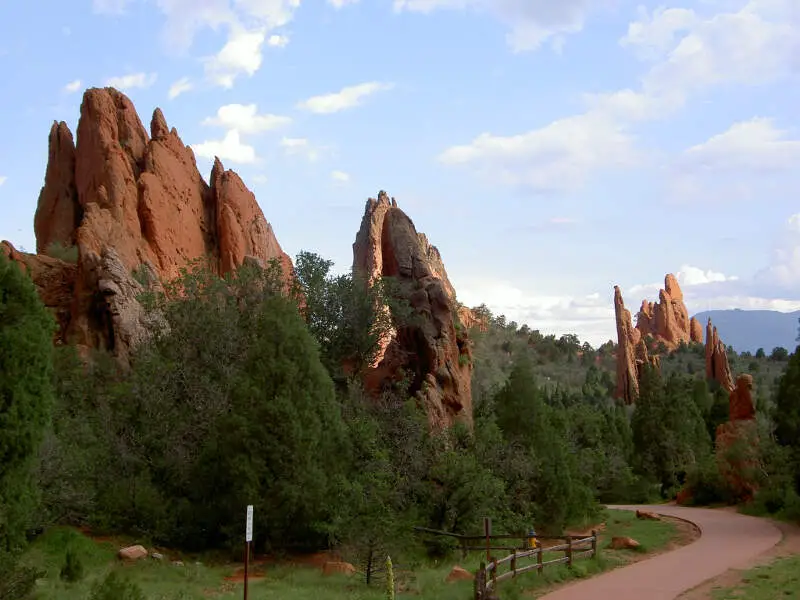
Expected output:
(623, 543)
(156, 556)
(132, 553)
(340, 568)
(459, 574)
(641, 514)
(177, 563)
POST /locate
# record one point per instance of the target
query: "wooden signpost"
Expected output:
(248, 538)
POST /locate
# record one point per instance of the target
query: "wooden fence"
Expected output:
(489, 574)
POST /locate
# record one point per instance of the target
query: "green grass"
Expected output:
(161, 580)
(777, 580)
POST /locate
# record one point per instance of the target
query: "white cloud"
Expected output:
(246, 22)
(751, 159)
(230, 148)
(302, 147)
(654, 34)
(3, 179)
(347, 97)
(179, 87)
(591, 316)
(73, 86)
(341, 3)
(558, 156)
(784, 272)
(755, 145)
(532, 22)
(245, 119)
(131, 81)
(756, 44)
(241, 55)
(260, 178)
(277, 41)
(340, 176)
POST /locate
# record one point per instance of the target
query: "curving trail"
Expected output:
(728, 540)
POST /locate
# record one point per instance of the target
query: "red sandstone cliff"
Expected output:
(131, 201)
(666, 321)
(429, 346)
(717, 367)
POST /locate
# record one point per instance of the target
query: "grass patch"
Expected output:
(63, 252)
(162, 580)
(779, 579)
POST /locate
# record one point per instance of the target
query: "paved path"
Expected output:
(728, 540)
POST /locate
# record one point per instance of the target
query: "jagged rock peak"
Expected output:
(124, 200)
(430, 346)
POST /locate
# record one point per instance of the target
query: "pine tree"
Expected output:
(26, 364)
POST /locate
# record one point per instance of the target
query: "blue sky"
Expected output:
(549, 149)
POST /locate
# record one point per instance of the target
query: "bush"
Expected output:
(72, 570)
(116, 587)
(18, 583)
(68, 254)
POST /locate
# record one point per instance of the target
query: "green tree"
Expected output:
(230, 407)
(348, 316)
(787, 404)
(669, 434)
(26, 395)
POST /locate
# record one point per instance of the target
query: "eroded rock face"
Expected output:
(132, 202)
(667, 320)
(632, 352)
(717, 367)
(429, 346)
(742, 407)
(664, 322)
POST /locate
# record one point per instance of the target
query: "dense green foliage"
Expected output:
(252, 395)
(26, 366)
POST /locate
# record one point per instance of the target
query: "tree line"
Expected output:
(252, 396)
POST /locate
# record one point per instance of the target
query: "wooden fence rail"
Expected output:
(488, 575)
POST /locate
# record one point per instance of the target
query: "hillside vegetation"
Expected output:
(245, 401)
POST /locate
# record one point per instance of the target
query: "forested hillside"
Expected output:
(244, 400)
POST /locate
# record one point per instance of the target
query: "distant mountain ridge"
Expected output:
(749, 330)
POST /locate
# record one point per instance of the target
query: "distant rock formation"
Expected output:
(736, 442)
(632, 352)
(127, 201)
(667, 320)
(430, 346)
(664, 322)
(717, 367)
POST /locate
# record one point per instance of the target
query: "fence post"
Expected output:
(480, 583)
(594, 543)
(569, 550)
(514, 563)
(494, 575)
(539, 565)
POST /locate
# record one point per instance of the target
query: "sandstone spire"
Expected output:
(130, 201)
(429, 346)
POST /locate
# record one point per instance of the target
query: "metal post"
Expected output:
(246, 566)
(487, 531)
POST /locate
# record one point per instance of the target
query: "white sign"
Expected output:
(248, 532)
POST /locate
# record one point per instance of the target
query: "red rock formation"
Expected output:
(717, 367)
(667, 320)
(632, 352)
(429, 346)
(130, 201)
(737, 441)
(742, 407)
